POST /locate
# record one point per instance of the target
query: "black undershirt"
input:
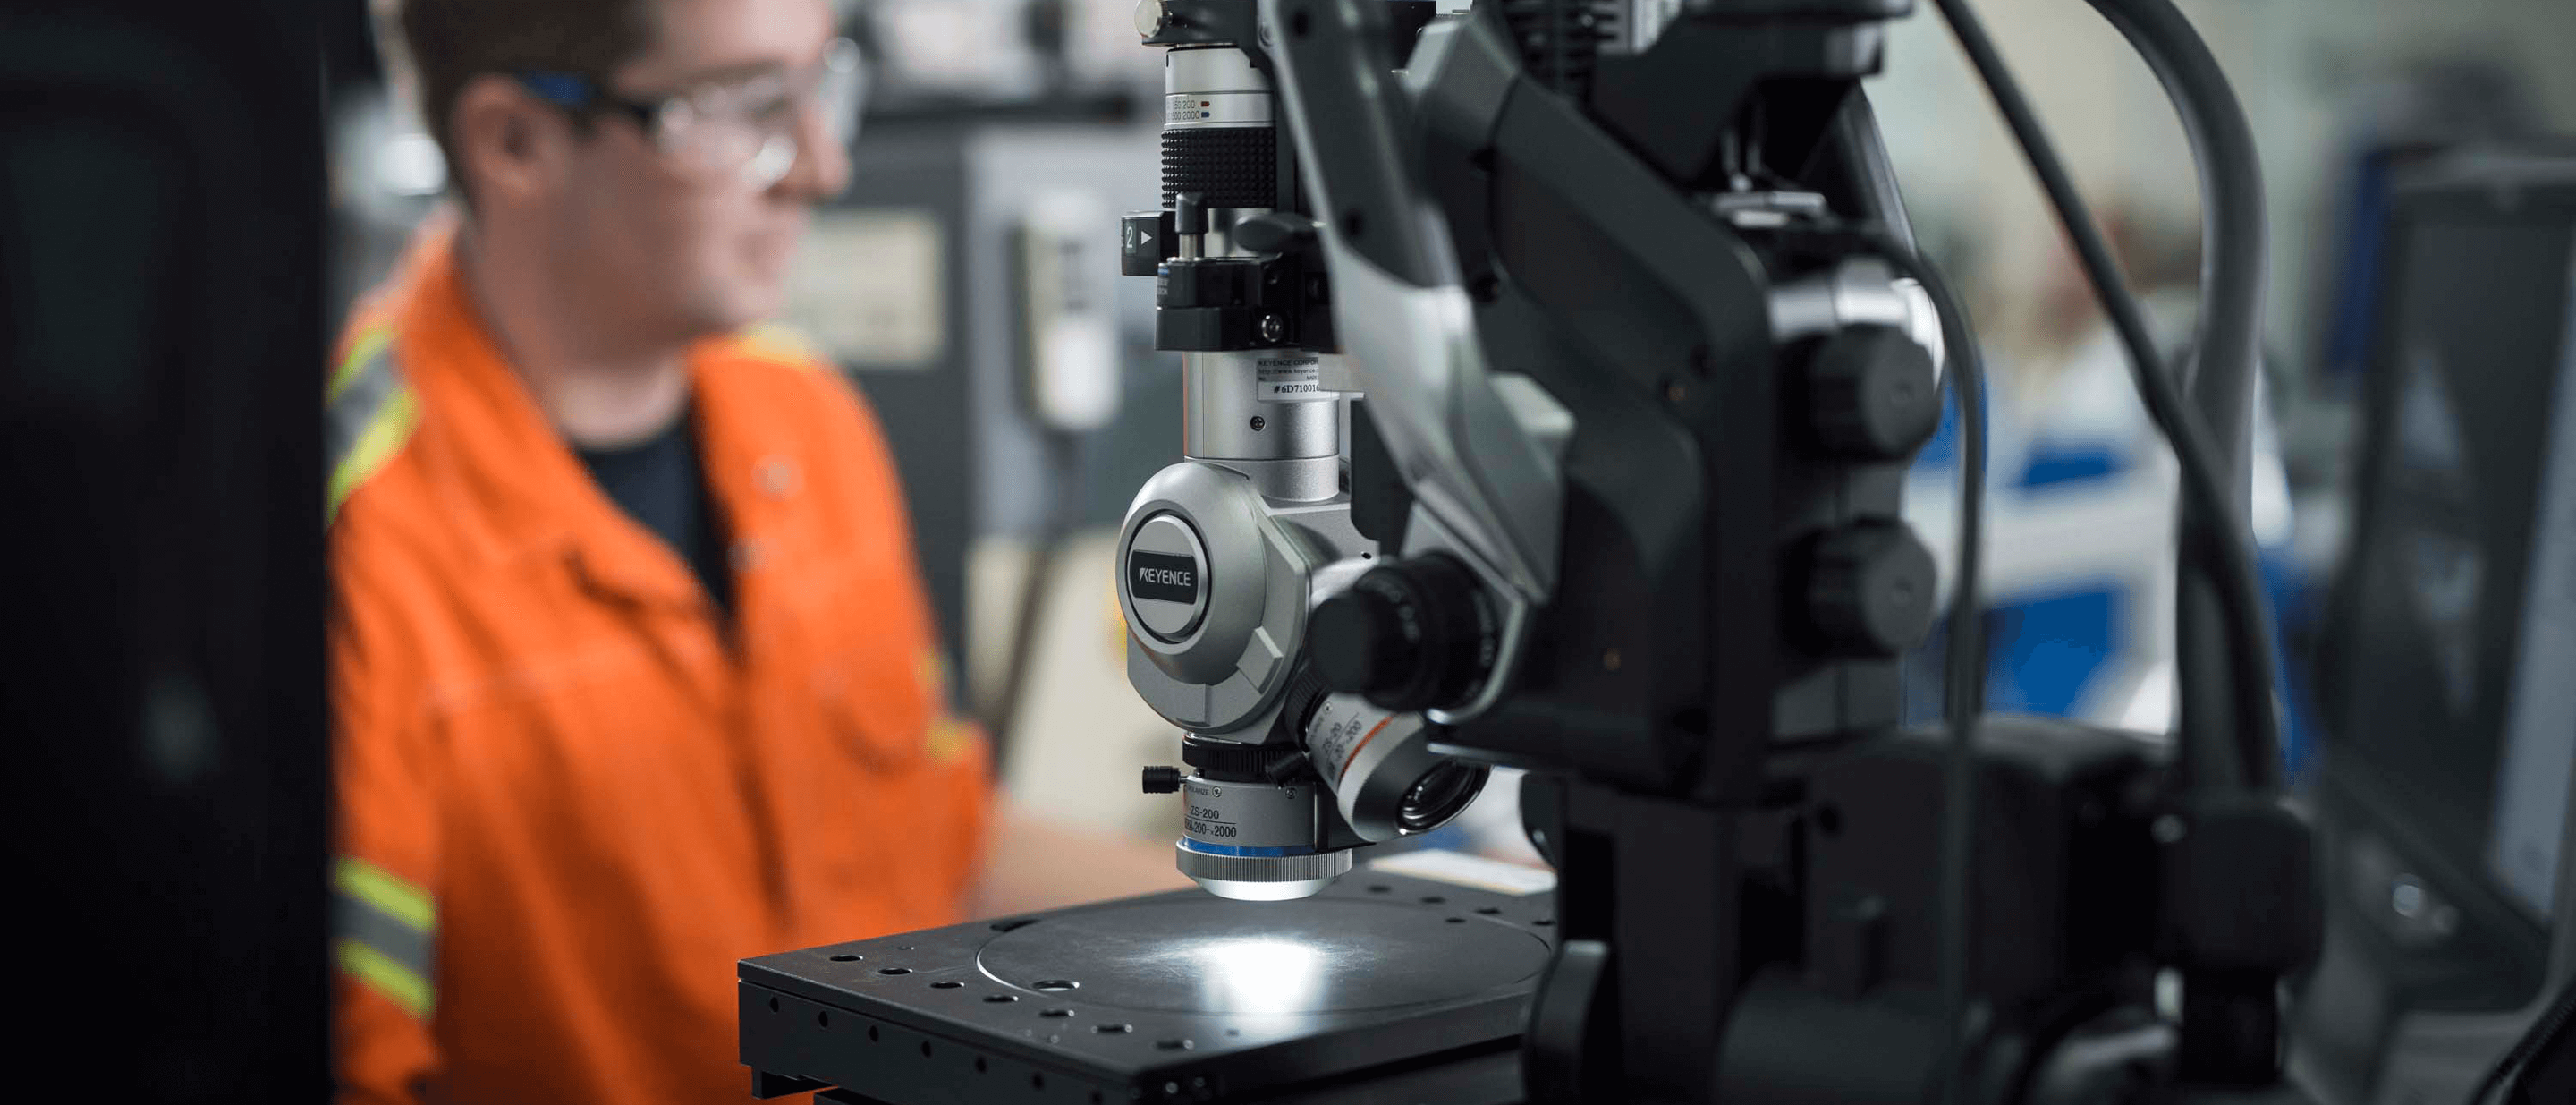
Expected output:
(662, 485)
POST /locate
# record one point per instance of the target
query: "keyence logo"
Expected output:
(1162, 576)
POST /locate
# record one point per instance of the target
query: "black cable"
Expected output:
(2550, 1022)
(2231, 192)
(2222, 545)
(1963, 696)
(2229, 345)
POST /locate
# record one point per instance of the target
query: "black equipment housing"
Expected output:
(1748, 884)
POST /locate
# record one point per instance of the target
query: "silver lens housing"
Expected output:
(1254, 841)
(1214, 87)
(1263, 878)
(1385, 779)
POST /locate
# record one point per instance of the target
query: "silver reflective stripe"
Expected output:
(368, 414)
(356, 401)
(382, 933)
(407, 946)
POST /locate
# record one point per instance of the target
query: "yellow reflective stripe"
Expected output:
(375, 446)
(389, 895)
(949, 739)
(370, 342)
(399, 984)
(931, 669)
(781, 341)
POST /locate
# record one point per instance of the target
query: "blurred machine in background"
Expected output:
(2338, 93)
(960, 285)
(2448, 676)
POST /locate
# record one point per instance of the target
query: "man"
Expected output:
(632, 672)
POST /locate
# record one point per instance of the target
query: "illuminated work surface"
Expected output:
(1172, 997)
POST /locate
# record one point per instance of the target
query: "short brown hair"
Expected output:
(439, 45)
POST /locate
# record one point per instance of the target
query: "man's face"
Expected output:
(663, 243)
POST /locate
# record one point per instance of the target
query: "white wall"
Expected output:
(1082, 733)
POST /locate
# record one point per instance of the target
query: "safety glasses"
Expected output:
(747, 127)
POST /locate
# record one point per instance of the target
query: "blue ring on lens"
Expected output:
(1239, 850)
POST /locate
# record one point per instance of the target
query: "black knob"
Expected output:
(1189, 213)
(1872, 394)
(1232, 761)
(1870, 590)
(1162, 780)
(1408, 636)
(1274, 232)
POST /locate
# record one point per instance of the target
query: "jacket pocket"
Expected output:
(883, 695)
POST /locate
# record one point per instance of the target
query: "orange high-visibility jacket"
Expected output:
(570, 794)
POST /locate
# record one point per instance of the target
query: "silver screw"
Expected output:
(1273, 327)
(2406, 898)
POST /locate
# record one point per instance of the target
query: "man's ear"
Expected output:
(511, 146)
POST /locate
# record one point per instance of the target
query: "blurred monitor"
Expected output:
(2449, 672)
(2457, 681)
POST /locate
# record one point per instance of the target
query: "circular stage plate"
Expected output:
(1316, 955)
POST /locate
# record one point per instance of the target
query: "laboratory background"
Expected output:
(970, 281)
(964, 282)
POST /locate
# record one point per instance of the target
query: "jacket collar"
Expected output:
(514, 489)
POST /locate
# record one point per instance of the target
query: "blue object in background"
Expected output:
(2048, 650)
(2051, 463)
(2045, 652)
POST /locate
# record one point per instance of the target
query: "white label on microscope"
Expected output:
(1289, 378)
